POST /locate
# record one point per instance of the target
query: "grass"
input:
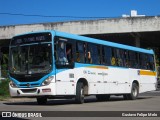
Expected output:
(4, 89)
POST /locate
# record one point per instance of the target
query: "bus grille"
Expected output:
(29, 90)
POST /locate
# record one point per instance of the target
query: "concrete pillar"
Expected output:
(136, 37)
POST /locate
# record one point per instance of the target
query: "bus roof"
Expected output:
(93, 40)
(102, 42)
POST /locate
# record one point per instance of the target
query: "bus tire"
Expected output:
(41, 100)
(134, 92)
(80, 93)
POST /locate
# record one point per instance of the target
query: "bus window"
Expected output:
(99, 54)
(121, 54)
(113, 57)
(108, 55)
(93, 54)
(80, 52)
(103, 56)
(137, 60)
(132, 57)
(69, 52)
(151, 64)
(62, 57)
(142, 61)
(63, 52)
(125, 60)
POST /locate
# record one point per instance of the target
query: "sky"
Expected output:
(14, 12)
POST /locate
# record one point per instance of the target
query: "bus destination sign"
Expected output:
(31, 38)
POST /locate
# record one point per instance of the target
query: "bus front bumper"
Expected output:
(48, 90)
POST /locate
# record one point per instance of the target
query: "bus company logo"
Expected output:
(28, 85)
(6, 114)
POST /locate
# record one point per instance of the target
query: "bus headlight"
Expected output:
(12, 84)
(48, 80)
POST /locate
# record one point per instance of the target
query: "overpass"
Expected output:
(137, 28)
(136, 31)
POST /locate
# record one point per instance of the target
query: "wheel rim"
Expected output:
(82, 93)
(135, 92)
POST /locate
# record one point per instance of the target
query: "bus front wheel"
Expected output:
(80, 93)
(41, 100)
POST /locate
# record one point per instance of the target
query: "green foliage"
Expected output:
(5, 59)
(4, 66)
(4, 89)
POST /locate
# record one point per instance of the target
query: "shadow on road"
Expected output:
(72, 101)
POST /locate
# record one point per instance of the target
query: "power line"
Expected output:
(33, 15)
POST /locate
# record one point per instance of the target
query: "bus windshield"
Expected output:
(31, 59)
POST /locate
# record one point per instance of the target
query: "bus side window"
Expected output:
(147, 62)
(119, 57)
(143, 61)
(151, 64)
(93, 54)
(89, 53)
(137, 60)
(113, 57)
(107, 55)
(69, 52)
(99, 54)
(132, 56)
(103, 62)
(122, 57)
(125, 60)
(80, 52)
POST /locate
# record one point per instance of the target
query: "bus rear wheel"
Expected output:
(134, 93)
(41, 100)
(80, 93)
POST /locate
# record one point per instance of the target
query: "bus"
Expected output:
(53, 64)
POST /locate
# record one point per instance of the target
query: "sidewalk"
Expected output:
(20, 99)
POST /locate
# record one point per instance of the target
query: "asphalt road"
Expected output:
(146, 102)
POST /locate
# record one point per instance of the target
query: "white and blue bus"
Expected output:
(53, 64)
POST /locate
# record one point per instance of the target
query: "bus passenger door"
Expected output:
(64, 67)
